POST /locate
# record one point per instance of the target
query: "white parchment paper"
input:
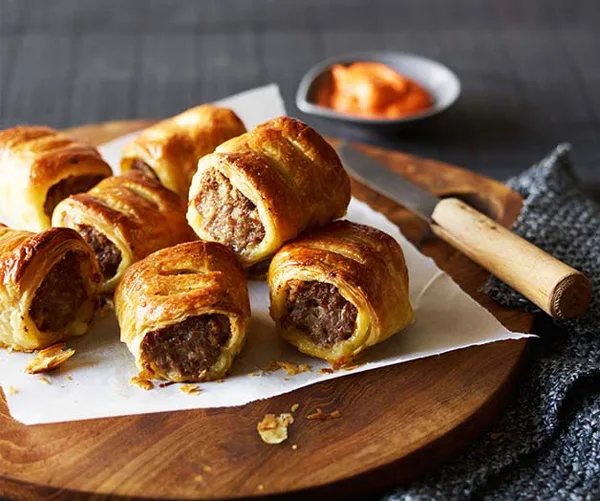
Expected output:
(95, 382)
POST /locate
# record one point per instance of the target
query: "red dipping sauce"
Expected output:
(373, 90)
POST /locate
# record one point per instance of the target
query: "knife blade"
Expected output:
(554, 286)
(382, 180)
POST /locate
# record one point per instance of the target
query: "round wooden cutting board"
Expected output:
(396, 423)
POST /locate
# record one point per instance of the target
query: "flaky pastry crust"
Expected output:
(28, 321)
(291, 179)
(175, 284)
(368, 269)
(171, 148)
(135, 213)
(33, 161)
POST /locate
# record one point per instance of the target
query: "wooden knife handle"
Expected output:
(555, 287)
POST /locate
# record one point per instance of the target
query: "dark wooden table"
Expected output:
(529, 69)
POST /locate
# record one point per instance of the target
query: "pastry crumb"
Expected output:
(322, 416)
(254, 374)
(318, 414)
(140, 382)
(326, 370)
(190, 389)
(143, 380)
(350, 367)
(220, 380)
(69, 378)
(295, 407)
(291, 368)
(49, 358)
(11, 390)
(274, 429)
(168, 383)
(44, 380)
(294, 447)
(346, 364)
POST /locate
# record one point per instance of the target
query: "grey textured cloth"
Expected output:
(547, 443)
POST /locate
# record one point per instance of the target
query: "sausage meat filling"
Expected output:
(67, 187)
(60, 295)
(189, 347)
(107, 253)
(227, 214)
(142, 167)
(320, 311)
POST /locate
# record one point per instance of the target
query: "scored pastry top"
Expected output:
(39, 167)
(258, 190)
(48, 155)
(184, 311)
(170, 149)
(349, 280)
(129, 216)
(189, 278)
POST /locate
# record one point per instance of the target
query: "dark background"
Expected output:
(530, 70)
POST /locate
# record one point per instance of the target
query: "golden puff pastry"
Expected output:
(184, 311)
(261, 189)
(124, 219)
(49, 289)
(39, 167)
(169, 150)
(338, 290)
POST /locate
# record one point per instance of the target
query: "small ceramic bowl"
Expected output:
(440, 81)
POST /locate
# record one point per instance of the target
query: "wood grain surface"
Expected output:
(396, 423)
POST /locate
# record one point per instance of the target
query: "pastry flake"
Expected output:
(141, 382)
(190, 389)
(274, 429)
(49, 359)
(290, 368)
(319, 415)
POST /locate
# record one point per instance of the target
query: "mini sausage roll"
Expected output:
(338, 290)
(169, 150)
(49, 288)
(124, 219)
(184, 311)
(261, 189)
(39, 167)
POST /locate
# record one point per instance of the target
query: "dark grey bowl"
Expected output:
(440, 81)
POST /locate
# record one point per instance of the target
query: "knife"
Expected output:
(555, 287)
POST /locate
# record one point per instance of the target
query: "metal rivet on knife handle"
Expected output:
(555, 287)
